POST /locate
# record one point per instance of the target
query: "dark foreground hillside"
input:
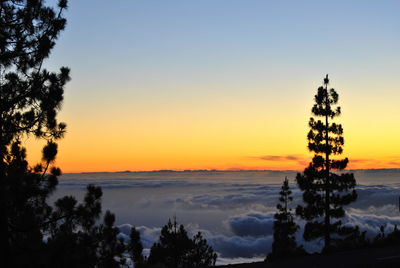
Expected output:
(370, 257)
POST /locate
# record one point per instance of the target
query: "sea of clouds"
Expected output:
(233, 210)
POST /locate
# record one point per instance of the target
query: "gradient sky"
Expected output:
(224, 84)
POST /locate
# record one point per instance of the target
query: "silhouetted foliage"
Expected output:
(324, 192)
(284, 245)
(172, 248)
(380, 237)
(74, 238)
(30, 97)
(200, 254)
(383, 239)
(33, 233)
(135, 248)
(175, 249)
(355, 239)
(65, 235)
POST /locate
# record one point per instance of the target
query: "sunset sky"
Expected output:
(224, 84)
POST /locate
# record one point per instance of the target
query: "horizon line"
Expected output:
(213, 170)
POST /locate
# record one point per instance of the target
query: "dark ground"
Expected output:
(369, 257)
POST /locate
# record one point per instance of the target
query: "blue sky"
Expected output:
(224, 65)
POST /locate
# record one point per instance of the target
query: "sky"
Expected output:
(224, 84)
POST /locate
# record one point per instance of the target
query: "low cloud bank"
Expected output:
(233, 210)
(251, 234)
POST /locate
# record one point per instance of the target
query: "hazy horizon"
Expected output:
(222, 170)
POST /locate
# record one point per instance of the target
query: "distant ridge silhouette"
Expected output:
(222, 170)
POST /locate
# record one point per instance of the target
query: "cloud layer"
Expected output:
(234, 210)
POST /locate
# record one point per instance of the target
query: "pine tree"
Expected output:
(172, 247)
(30, 96)
(284, 244)
(176, 250)
(73, 236)
(325, 192)
(27, 209)
(135, 248)
(201, 254)
(33, 233)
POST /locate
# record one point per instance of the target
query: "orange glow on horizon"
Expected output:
(106, 163)
(223, 133)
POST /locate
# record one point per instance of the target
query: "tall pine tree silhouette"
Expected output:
(324, 192)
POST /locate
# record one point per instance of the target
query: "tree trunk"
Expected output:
(327, 183)
(4, 232)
